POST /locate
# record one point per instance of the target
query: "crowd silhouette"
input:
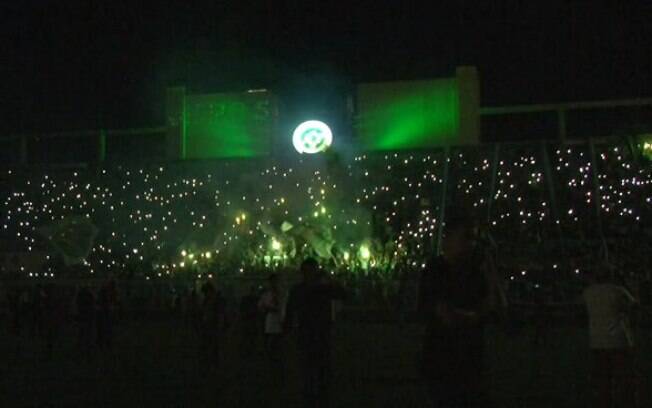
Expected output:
(459, 293)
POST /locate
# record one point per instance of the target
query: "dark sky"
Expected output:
(82, 64)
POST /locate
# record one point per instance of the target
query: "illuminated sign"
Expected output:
(229, 125)
(312, 137)
(407, 115)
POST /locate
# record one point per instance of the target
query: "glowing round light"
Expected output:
(276, 246)
(365, 253)
(647, 149)
(311, 137)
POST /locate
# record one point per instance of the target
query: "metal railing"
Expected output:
(563, 109)
(19, 146)
(99, 139)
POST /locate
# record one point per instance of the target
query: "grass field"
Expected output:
(158, 363)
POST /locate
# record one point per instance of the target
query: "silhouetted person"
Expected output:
(19, 308)
(18, 301)
(194, 312)
(249, 321)
(456, 298)
(214, 322)
(271, 304)
(85, 305)
(53, 317)
(106, 303)
(613, 375)
(310, 308)
(541, 318)
(36, 307)
(173, 301)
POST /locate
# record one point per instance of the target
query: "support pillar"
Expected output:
(468, 85)
(176, 123)
(444, 196)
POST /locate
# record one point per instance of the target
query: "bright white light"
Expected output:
(311, 137)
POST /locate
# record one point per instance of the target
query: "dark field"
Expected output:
(158, 363)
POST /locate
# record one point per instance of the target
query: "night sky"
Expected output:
(84, 64)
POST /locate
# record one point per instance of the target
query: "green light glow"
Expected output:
(228, 125)
(276, 246)
(647, 149)
(365, 253)
(408, 115)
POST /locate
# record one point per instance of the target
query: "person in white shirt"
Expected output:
(272, 305)
(611, 342)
